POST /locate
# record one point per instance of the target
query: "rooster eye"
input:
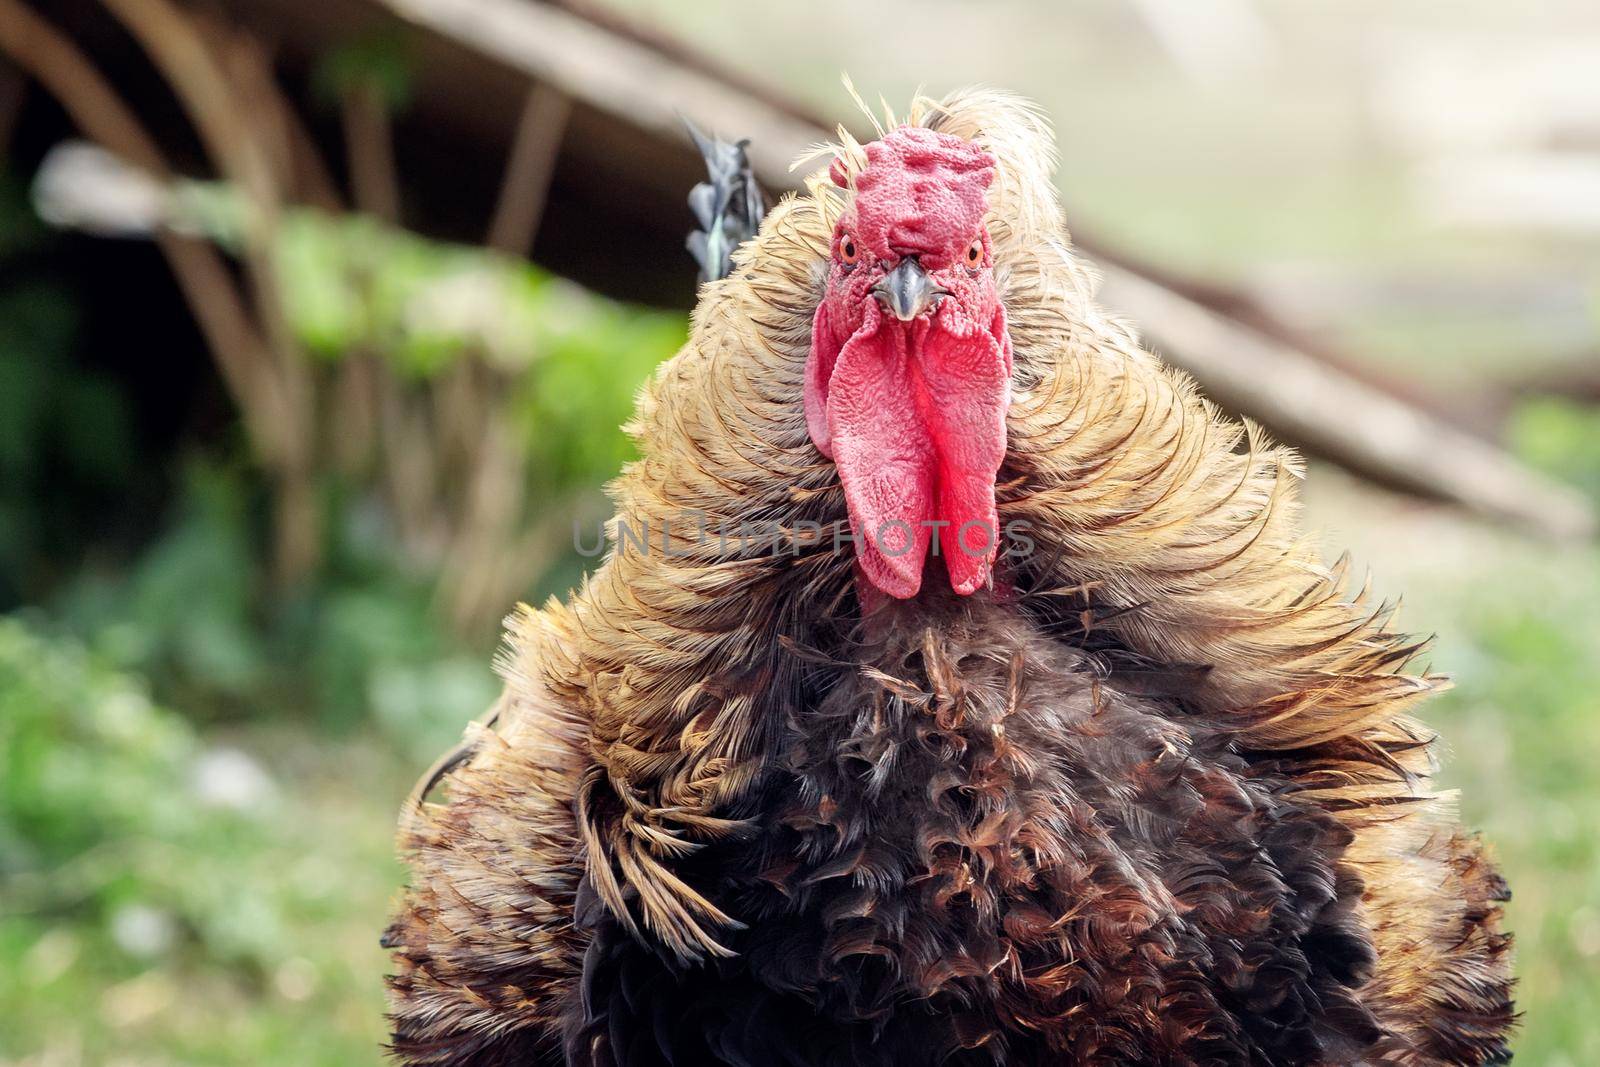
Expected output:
(974, 253)
(849, 252)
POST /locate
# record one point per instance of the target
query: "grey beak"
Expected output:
(907, 291)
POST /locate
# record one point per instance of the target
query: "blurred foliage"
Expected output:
(364, 641)
(378, 61)
(82, 747)
(111, 811)
(144, 873)
(352, 285)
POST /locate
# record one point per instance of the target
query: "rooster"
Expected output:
(960, 689)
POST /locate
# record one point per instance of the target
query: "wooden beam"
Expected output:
(529, 167)
(614, 74)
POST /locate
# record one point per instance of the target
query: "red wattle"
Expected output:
(885, 458)
(914, 418)
(967, 375)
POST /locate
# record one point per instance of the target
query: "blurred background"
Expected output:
(317, 320)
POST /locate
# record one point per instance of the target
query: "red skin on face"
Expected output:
(913, 413)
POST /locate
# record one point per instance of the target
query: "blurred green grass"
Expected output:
(171, 896)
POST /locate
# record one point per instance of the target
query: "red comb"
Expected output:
(921, 191)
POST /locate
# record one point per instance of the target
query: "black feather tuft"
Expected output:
(729, 208)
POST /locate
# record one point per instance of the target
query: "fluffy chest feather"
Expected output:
(972, 844)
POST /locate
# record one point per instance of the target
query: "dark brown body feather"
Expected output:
(1157, 801)
(982, 849)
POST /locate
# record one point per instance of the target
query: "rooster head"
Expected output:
(909, 375)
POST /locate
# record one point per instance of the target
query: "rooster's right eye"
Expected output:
(849, 251)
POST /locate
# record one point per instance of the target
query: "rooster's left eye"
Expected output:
(974, 253)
